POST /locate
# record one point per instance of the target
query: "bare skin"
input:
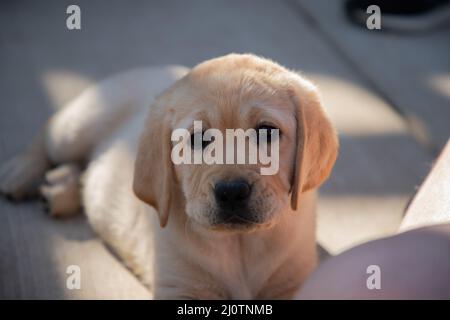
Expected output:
(413, 265)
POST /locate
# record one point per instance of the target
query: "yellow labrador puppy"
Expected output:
(201, 231)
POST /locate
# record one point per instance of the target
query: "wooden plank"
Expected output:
(409, 71)
(37, 250)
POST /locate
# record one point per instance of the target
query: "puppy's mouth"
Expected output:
(232, 221)
(241, 219)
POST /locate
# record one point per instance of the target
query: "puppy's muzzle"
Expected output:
(232, 199)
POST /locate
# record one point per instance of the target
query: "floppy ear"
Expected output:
(153, 171)
(317, 143)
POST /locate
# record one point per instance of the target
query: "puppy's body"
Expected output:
(185, 259)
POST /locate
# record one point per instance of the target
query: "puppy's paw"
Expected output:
(20, 176)
(61, 191)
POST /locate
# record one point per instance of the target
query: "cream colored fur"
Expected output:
(187, 258)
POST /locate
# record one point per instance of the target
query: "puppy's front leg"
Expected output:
(61, 191)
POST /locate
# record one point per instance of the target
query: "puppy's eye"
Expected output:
(268, 130)
(199, 137)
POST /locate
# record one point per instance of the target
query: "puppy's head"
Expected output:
(235, 92)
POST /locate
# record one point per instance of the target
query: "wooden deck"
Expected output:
(389, 97)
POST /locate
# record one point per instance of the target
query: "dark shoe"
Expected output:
(402, 15)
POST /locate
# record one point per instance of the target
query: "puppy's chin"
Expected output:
(232, 224)
(240, 227)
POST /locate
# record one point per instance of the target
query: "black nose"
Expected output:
(232, 194)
